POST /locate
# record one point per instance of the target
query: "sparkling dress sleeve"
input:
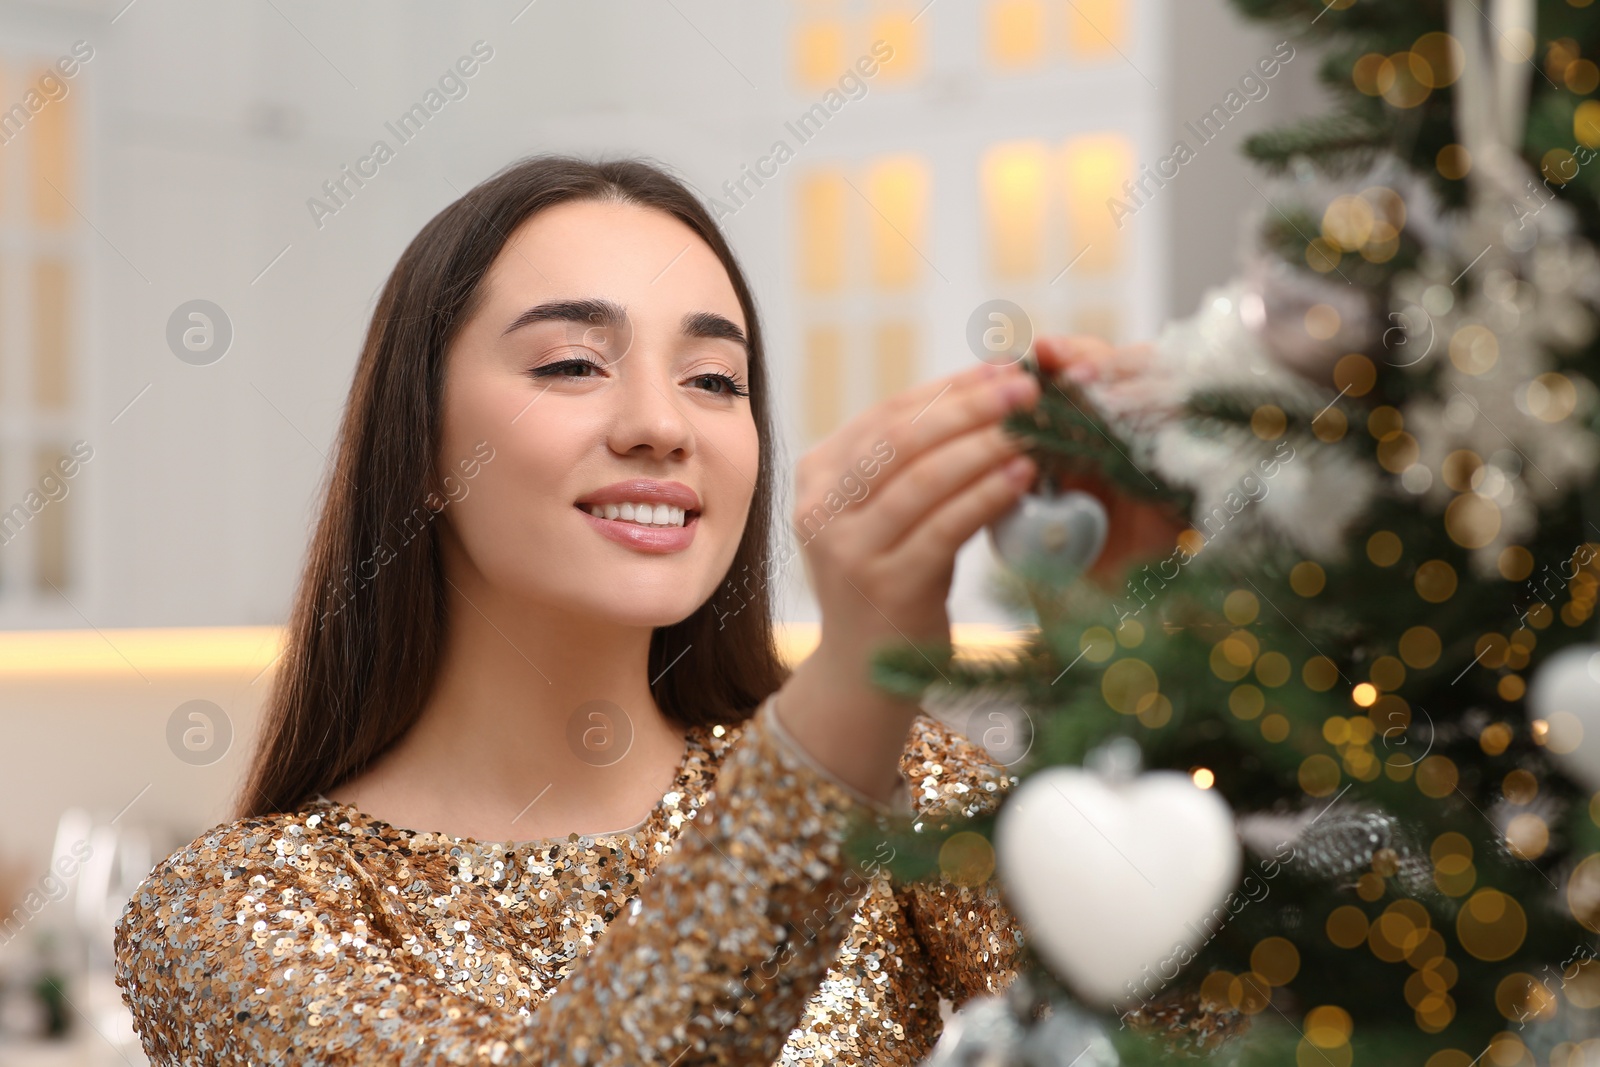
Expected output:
(260, 945)
(973, 943)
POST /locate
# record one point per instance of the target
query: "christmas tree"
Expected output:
(1374, 638)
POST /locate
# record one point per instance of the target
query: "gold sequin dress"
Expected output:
(730, 927)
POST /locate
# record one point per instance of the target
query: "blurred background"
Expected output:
(195, 218)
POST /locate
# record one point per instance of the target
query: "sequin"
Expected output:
(729, 928)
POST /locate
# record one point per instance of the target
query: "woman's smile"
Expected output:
(674, 536)
(649, 516)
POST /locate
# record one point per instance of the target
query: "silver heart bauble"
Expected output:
(1114, 882)
(1565, 695)
(1063, 529)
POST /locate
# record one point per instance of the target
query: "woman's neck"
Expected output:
(537, 725)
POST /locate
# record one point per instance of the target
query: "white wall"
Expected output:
(1214, 205)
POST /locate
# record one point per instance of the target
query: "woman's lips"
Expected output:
(652, 539)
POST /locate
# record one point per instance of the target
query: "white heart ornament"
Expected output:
(1565, 695)
(1111, 878)
(1068, 529)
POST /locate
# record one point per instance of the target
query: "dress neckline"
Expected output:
(697, 749)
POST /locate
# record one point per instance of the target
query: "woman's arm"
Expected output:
(260, 945)
(972, 941)
(882, 507)
(741, 936)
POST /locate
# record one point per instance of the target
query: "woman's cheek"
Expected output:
(739, 483)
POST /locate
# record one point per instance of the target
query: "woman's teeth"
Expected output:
(644, 514)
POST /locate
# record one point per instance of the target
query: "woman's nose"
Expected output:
(651, 417)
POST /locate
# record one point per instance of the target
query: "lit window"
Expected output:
(821, 231)
(50, 549)
(51, 312)
(1014, 194)
(50, 131)
(819, 53)
(898, 191)
(903, 35)
(830, 39)
(1016, 32)
(895, 344)
(1098, 320)
(1096, 28)
(1094, 170)
(824, 373)
(41, 283)
(858, 323)
(7, 274)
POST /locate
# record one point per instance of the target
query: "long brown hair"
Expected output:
(365, 635)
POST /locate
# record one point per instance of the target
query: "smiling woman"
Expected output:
(424, 867)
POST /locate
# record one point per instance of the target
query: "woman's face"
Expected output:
(599, 377)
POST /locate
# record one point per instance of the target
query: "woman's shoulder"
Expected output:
(275, 834)
(184, 927)
(228, 856)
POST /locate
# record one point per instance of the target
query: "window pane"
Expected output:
(824, 356)
(9, 129)
(1096, 28)
(13, 519)
(1016, 32)
(905, 37)
(1095, 169)
(1014, 203)
(51, 368)
(895, 345)
(819, 53)
(821, 236)
(50, 525)
(50, 132)
(898, 189)
(5, 326)
(1098, 320)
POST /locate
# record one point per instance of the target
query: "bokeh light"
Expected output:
(1491, 925)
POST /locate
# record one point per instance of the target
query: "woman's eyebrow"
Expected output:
(710, 324)
(592, 310)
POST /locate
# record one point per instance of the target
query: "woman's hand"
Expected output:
(1121, 379)
(882, 506)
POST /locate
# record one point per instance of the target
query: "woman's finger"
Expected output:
(1130, 361)
(933, 542)
(1076, 358)
(922, 486)
(869, 422)
(910, 432)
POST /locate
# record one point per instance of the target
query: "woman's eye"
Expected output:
(567, 368)
(720, 383)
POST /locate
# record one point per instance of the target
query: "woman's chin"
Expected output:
(615, 601)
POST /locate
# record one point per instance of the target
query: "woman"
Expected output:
(535, 610)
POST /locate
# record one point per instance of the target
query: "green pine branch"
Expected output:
(1070, 438)
(1344, 141)
(1239, 406)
